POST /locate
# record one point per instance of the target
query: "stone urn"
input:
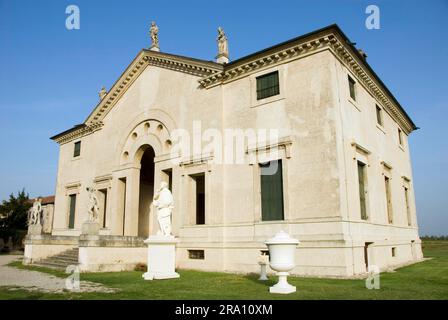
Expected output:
(281, 251)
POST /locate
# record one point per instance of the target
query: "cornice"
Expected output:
(213, 74)
(78, 133)
(144, 58)
(369, 81)
(331, 41)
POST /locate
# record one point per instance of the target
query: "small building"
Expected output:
(302, 136)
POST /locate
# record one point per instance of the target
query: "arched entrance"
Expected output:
(146, 193)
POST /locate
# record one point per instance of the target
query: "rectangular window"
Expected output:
(103, 205)
(122, 201)
(366, 253)
(379, 116)
(271, 191)
(408, 209)
(200, 198)
(72, 209)
(168, 178)
(268, 85)
(394, 252)
(362, 189)
(196, 254)
(400, 137)
(388, 200)
(351, 85)
(77, 150)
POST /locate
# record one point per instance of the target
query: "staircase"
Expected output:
(61, 260)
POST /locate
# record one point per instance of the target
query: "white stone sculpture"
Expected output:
(223, 47)
(102, 93)
(154, 33)
(163, 201)
(162, 247)
(93, 205)
(35, 212)
(34, 218)
(281, 252)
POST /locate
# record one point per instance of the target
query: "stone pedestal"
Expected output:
(263, 273)
(282, 286)
(161, 258)
(222, 58)
(35, 229)
(90, 228)
(154, 48)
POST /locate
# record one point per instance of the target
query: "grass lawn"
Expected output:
(425, 280)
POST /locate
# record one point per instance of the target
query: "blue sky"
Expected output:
(50, 76)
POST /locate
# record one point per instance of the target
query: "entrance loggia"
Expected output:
(146, 192)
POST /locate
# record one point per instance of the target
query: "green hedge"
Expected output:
(17, 236)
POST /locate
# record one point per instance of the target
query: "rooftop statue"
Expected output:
(223, 48)
(154, 33)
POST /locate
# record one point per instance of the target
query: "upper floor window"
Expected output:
(268, 85)
(351, 85)
(77, 150)
(379, 116)
(400, 137)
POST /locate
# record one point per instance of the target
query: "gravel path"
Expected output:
(38, 281)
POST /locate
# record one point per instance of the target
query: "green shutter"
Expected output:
(351, 84)
(362, 191)
(71, 220)
(271, 191)
(268, 85)
(77, 150)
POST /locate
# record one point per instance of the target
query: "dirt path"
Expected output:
(38, 281)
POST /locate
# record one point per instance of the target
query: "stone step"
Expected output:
(51, 265)
(61, 260)
(66, 256)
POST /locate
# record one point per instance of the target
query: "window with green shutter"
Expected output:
(268, 85)
(271, 191)
(351, 85)
(77, 150)
(72, 207)
(362, 189)
(379, 116)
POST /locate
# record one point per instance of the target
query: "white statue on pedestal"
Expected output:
(93, 207)
(163, 201)
(223, 47)
(154, 33)
(35, 212)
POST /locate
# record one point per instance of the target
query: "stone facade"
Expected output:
(126, 150)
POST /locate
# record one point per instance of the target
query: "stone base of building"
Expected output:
(39, 247)
(329, 258)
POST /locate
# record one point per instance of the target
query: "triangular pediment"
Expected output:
(145, 58)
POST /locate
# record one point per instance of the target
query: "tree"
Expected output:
(14, 212)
